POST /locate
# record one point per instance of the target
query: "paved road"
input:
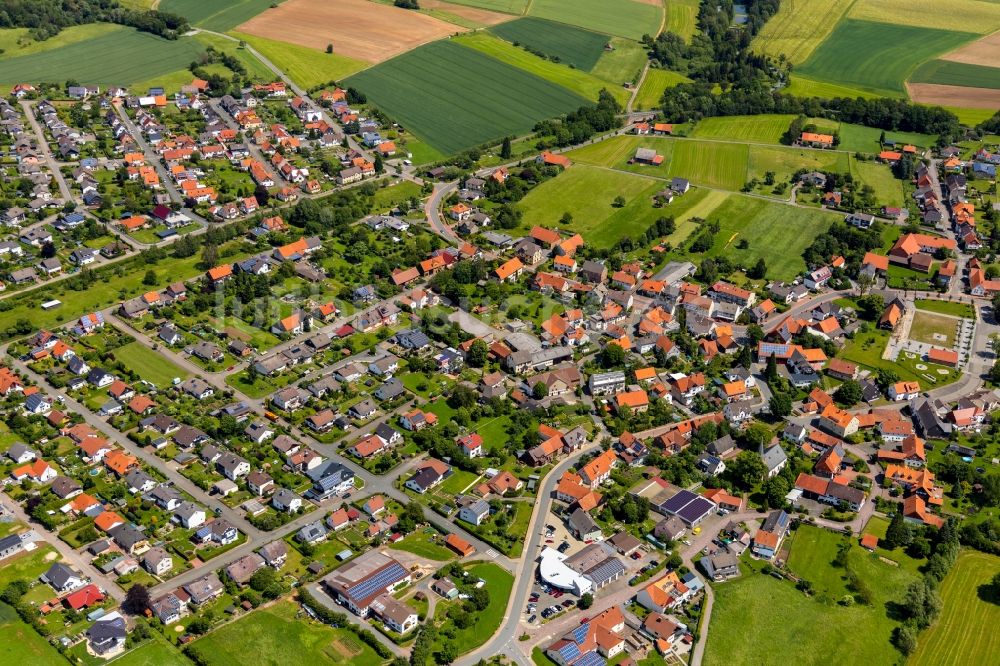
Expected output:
(152, 158)
(43, 145)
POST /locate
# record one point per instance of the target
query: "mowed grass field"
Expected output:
(571, 45)
(805, 87)
(307, 67)
(800, 629)
(682, 18)
(623, 63)
(116, 56)
(217, 15)
(457, 110)
(965, 632)
(651, 91)
(877, 56)
(762, 129)
(156, 367)
(275, 635)
(721, 165)
(799, 27)
(20, 644)
(624, 18)
(575, 80)
(950, 73)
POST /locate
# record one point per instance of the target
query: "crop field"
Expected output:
(121, 56)
(571, 45)
(810, 630)
(580, 82)
(624, 18)
(682, 18)
(217, 15)
(506, 6)
(306, 66)
(358, 29)
(16, 41)
(623, 63)
(964, 632)
(799, 27)
(656, 81)
(961, 96)
(947, 72)
(785, 161)
(762, 129)
(479, 109)
(985, 51)
(973, 16)
(805, 87)
(722, 165)
(859, 138)
(877, 56)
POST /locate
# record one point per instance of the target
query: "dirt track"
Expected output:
(357, 28)
(959, 96)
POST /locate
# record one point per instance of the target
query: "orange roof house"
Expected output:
(120, 463)
(551, 159)
(220, 272)
(869, 541)
(459, 545)
(108, 521)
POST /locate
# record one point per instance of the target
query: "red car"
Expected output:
(585, 620)
(548, 541)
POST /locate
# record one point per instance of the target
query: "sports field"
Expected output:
(275, 635)
(580, 82)
(306, 66)
(571, 45)
(799, 27)
(478, 108)
(762, 129)
(155, 367)
(116, 56)
(651, 91)
(933, 329)
(682, 18)
(877, 56)
(965, 633)
(217, 15)
(946, 72)
(625, 18)
(800, 629)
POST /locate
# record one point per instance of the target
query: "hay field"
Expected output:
(682, 18)
(656, 81)
(357, 29)
(974, 16)
(799, 27)
(473, 15)
(766, 128)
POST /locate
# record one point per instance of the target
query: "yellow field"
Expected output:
(973, 16)
(803, 87)
(682, 18)
(799, 27)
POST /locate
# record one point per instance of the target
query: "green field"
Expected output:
(888, 189)
(498, 583)
(506, 6)
(479, 108)
(946, 72)
(762, 129)
(20, 644)
(806, 630)
(27, 566)
(255, 68)
(651, 91)
(946, 307)
(275, 635)
(859, 138)
(713, 164)
(804, 87)
(799, 27)
(784, 162)
(217, 15)
(682, 18)
(155, 367)
(156, 652)
(623, 63)
(571, 45)
(625, 18)
(965, 631)
(306, 67)
(877, 56)
(17, 42)
(575, 80)
(118, 56)
(420, 544)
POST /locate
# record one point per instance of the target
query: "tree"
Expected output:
(758, 271)
(411, 516)
(886, 378)
(478, 353)
(870, 307)
(329, 48)
(150, 278)
(479, 598)
(775, 490)
(771, 369)
(755, 333)
(379, 164)
(209, 255)
(780, 405)
(136, 600)
(267, 581)
(539, 390)
(849, 393)
(612, 356)
(586, 601)
(505, 149)
(747, 469)
(898, 533)
(904, 638)
(619, 202)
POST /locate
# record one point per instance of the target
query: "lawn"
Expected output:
(866, 350)
(860, 138)
(625, 18)
(799, 27)
(656, 81)
(479, 108)
(934, 329)
(120, 56)
(575, 80)
(888, 189)
(721, 165)
(218, 15)
(420, 544)
(156, 652)
(766, 128)
(458, 482)
(569, 44)
(152, 366)
(946, 307)
(27, 566)
(20, 644)
(275, 635)
(801, 86)
(965, 631)
(877, 56)
(946, 72)
(784, 162)
(498, 583)
(682, 18)
(306, 67)
(623, 63)
(806, 630)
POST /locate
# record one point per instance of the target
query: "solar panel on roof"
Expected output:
(678, 501)
(591, 659)
(695, 509)
(773, 348)
(569, 652)
(580, 632)
(378, 582)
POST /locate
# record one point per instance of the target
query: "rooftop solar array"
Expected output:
(377, 583)
(688, 506)
(569, 652)
(776, 348)
(591, 659)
